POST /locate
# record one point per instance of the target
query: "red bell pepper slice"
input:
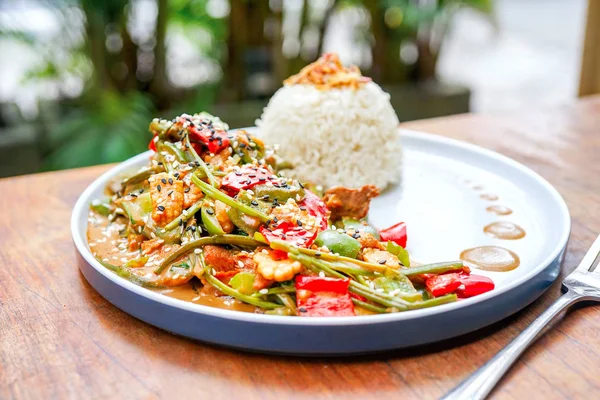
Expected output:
(461, 283)
(315, 207)
(395, 233)
(473, 285)
(214, 139)
(322, 284)
(152, 144)
(288, 232)
(326, 304)
(246, 178)
(440, 285)
(323, 297)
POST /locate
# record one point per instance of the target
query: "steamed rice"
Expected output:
(341, 136)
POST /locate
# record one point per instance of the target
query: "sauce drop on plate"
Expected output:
(504, 230)
(491, 258)
(490, 197)
(499, 210)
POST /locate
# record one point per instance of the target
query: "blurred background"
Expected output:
(80, 80)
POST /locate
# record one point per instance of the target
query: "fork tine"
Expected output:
(590, 257)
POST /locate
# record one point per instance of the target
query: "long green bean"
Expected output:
(436, 268)
(126, 273)
(218, 195)
(200, 161)
(228, 290)
(370, 307)
(288, 302)
(236, 240)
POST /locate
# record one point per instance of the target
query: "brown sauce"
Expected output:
(504, 230)
(489, 197)
(491, 258)
(189, 292)
(499, 209)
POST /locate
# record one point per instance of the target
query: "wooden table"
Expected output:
(60, 339)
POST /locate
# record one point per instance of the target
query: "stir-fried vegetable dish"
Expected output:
(211, 214)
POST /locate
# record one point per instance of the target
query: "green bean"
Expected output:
(280, 245)
(287, 301)
(138, 177)
(436, 301)
(235, 294)
(189, 213)
(200, 161)
(126, 273)
(350, 270)
(236, 240)
(218, 195)
(176, 151)
(437, 268)
(370, 307)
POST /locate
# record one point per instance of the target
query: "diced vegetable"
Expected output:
(289, 233)
(209, 219)
(461, 283)
(398, 285)
(439, 285)
(399, 252)
(395, 233)
(137, 208)
(322, 284)
(278, 194)
(246, 178)
(473, 285)
(315, 207)
(323, 297)
(338, 243)
(101, 207)
(214, 139)
(243, 282)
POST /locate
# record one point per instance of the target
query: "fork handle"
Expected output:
(481, 383)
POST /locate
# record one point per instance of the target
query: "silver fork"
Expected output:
(582, 284)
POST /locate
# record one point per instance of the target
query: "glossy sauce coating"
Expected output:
(491, 258)
(504, 230)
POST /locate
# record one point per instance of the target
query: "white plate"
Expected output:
(445, 215)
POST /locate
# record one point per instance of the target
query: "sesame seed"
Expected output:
(197, 251)
(381, 262)
(240, 264)
(263, 291)
(209, 211)
(322, 274)
(170, 181)
(186, 190)
(302, 309)
(158, 188)
(164, 181)
(161, 208)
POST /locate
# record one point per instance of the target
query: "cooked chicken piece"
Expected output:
(381, 257)
(166, 192)
(133, 241)
(220, 158)
(149, 246)
(191, 195)
(219, 258)
(348, 202)
(277, 270)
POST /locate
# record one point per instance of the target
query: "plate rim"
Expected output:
(79, 238)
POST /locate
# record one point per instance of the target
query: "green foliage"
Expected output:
(111, 128)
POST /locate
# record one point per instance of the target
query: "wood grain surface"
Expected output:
(60, 339)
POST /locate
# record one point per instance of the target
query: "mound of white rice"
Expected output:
(344, 136)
